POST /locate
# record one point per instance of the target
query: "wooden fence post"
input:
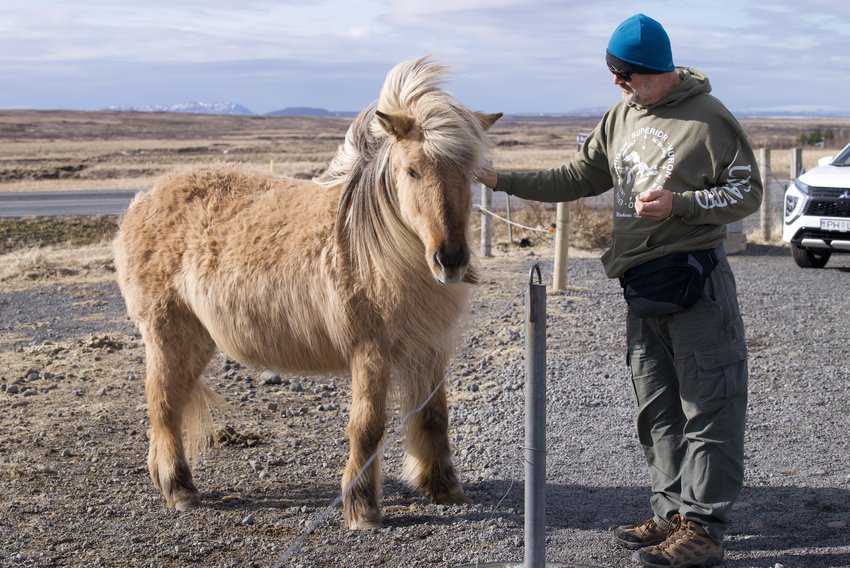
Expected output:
(562, 247)
(766, 205)
(796, 162)
(486, 220)
(510, 220)
(271, 167)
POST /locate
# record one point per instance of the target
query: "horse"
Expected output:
(365, 268)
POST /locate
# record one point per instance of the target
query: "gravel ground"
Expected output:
(75, 490)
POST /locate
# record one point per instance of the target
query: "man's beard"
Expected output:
(632, 96)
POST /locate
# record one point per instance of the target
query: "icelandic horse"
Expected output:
(366, 268)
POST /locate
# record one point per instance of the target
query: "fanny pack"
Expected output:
(667, 285)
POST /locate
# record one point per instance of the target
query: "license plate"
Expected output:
(841, 225)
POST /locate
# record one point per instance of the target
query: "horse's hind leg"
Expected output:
(177, 349)
(361, 482)
(428, 463)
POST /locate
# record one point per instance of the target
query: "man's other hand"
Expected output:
(654, 204)
(487, 176)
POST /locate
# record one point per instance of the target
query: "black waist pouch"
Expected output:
(669, 284)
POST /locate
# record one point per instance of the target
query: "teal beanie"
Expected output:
(642, 43)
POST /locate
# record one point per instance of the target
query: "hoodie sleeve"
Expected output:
(587, 174)
(737, 194)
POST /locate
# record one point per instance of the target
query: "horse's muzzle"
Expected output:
(452, 262)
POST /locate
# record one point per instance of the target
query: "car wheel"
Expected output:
(809, 259)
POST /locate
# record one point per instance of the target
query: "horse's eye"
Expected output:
(412, 173)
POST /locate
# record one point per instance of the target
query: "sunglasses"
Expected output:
(622, 75)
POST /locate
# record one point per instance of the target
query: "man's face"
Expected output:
(640, 88)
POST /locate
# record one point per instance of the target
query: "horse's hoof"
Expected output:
(371, 520)
(453, 497)
(186, 502)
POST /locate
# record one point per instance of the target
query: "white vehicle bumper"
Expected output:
(812, 231)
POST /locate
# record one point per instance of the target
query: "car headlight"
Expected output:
(796, 197)
(791, 202)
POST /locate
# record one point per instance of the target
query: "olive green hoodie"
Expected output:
(688, 143)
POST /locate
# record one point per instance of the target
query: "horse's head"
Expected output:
(433, 187)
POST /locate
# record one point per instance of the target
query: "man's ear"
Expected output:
(488, 120)
(395, 124)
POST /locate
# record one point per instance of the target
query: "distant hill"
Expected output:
(310, 111)
(193, 107)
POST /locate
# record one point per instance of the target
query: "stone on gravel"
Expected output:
(269, 378)
(12, 389)
(249, 520)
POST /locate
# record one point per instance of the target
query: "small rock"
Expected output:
(296, 387)
(249, 520)
(32, 375)
(273, 406)
(12, 389)
(836, 524)
(474, 387)
(77, 392)
(66, 453)
(29, 392)
(269, 378)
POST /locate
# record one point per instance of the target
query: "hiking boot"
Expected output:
(687, 545)
(645, 534)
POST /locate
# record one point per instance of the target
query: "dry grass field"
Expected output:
(56, 150)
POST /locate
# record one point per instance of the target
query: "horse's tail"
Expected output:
(197, 419)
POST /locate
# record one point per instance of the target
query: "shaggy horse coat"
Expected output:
(364, 269)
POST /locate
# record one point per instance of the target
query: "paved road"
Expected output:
(61, 203)
(112, 202)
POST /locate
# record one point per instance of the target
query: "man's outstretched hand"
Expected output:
(487, 176)
(654, 204)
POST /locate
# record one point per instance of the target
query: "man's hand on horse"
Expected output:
(487, 176)
(654, 204)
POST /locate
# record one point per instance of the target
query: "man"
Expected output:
(681, 168)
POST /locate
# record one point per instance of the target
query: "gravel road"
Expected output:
(75, 490)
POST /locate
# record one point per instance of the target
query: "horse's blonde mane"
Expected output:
(369, 226)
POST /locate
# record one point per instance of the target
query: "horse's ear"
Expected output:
(488, 120)
(396, 124)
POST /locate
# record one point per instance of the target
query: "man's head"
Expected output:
(641, 61)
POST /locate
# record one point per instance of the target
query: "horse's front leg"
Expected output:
(361, 482)
(428, 463)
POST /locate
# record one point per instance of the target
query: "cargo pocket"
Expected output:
(711, 374)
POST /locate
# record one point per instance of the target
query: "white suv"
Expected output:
(817, 211)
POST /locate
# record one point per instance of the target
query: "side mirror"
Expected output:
(825, 161)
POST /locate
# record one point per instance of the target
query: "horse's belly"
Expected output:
(269, 327)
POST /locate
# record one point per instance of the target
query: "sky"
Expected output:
(506, 55)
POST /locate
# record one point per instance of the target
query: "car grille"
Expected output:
(826, 192)
(829, 207)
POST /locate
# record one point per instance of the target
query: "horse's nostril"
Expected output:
(453, 259)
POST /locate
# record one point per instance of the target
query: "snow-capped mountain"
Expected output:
(193, 107)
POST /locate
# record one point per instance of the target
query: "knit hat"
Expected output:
(640, 45)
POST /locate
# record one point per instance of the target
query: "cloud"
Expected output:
(513, 54)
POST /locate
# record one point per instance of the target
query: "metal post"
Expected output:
(562, 247)
(796, 162)
(510, 220)
(486, 220)
(535, 423)
(766, 219)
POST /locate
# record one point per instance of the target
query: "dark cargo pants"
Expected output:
(689, 372)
